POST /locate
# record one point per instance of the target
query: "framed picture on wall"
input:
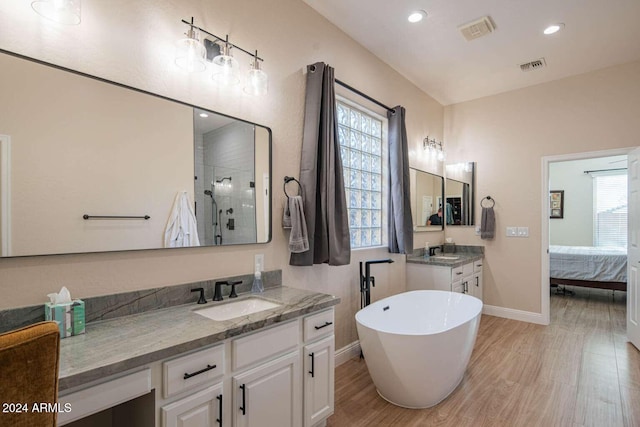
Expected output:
(556, 201)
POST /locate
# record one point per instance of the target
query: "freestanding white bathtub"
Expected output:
(417, 344)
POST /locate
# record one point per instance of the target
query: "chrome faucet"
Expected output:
(367, 280)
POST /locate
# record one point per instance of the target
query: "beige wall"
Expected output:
(508, 135)
(133, 43)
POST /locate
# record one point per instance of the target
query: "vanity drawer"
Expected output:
(456, 273)
(318, 325)
(467, 269)
(200, 367)
(477, 266)
(260, 346)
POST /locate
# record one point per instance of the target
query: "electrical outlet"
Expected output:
(512, 231)
(259, 262)
(523, 231)
(477, 230)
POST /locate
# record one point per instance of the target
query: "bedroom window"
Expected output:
(363, 138)
(610, 210)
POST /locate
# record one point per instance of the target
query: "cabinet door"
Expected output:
(457, 287)
(318, 380)
(475, 285)
(202, 409)
(269, 395)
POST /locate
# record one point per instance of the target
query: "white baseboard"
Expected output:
(347, 352)
(510, 313)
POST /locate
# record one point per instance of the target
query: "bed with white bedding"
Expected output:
(587, 266)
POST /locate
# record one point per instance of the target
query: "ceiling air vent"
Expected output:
(478, 28)
(533, 65)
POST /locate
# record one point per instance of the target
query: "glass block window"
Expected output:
(361, 147)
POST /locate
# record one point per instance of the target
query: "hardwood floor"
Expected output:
(579, 371)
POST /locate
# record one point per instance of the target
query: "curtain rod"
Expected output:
(606, 170)
(364, 95)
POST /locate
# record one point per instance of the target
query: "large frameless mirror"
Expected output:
(427, 193)
(460, 193)
(87, 165)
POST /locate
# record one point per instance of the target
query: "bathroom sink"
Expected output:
(445, 257)
(234, 309)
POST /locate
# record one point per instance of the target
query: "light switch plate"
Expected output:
(523, 231)
(477, 230)
(259, 262)
(512, 231)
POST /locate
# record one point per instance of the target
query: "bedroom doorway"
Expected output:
(580, 216)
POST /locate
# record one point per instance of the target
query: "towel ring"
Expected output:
(288, 179)
(493, 202)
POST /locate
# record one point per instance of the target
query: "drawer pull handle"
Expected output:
(313, 368)
(208, 368)
(323, 326)
(459, 273)
(243, 407)
(219, 420)
(478, 265)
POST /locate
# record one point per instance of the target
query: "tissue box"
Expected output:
(69, 316)
(449, 248)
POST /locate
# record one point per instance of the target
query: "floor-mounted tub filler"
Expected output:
(417, 344)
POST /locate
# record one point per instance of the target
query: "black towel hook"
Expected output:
(493, 202)
(288, 179)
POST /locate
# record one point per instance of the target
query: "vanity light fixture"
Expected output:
(225, 66)
(434, 147)
(552, 29)
(190, 52)
(257, 80)
(61, 11)
(226, 70)
(203, 115)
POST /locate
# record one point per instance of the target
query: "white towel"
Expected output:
(298, 240)
(182, 229)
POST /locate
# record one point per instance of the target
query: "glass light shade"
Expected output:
(225, 70)
(62, 11)
(191, 54)
(257, 82)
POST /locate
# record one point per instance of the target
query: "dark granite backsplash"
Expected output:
(123, 304)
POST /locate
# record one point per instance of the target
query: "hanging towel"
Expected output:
(488, 223)
(182, 229)
(286, 214)
(449, 213)
(298, 240)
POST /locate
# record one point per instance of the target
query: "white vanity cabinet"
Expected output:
(319, 367)
(203, 409)
(466, 278)
(269, 395)
(282, 376)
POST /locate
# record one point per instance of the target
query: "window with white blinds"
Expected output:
(610, 210)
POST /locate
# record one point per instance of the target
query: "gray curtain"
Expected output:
(321, 177)
(400, 221)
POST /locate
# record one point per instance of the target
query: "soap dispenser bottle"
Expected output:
(257, 282)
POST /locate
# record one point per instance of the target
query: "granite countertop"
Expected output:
(444, 259)
(112, 346)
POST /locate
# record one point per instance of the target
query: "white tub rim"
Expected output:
(378, 305)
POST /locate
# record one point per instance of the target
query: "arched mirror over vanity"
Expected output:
(95, 166)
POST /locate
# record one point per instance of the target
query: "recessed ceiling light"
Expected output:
(552, 29)
(417, 16)
(203, 115)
